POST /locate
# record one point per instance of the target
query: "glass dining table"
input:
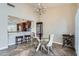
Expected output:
(41, 43)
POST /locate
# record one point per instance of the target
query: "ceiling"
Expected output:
(14, 20)
(50, 4)
(44, 4)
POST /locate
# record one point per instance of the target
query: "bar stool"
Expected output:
(27, 38)
(17, 39)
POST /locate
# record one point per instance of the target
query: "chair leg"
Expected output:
(44, 47)
(51, 48)
(48, 50)
(31, 41)
(21, 41)
(41, 48)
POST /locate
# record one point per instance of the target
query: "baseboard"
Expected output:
(4, 48)
(12, 44)
(58, 43)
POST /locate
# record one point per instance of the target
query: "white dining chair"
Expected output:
(33, 36)
(49, 44)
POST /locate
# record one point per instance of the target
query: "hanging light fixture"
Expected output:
(40, 9)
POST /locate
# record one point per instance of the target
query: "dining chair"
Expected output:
(27, 38)
(34, 39)
(49, 44)
(17, 39)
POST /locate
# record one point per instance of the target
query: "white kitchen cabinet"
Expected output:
(12, 36)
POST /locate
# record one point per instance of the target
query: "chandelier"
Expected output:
(40, 9)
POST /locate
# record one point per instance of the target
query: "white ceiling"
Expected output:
(50, 4)
(14, 20)
(44, 4)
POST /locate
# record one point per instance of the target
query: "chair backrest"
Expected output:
(51, 37)
(33, 36)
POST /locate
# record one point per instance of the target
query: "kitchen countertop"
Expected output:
(17, 31)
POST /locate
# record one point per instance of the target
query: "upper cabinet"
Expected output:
(16, 24)
(28, 24)
(24, 26)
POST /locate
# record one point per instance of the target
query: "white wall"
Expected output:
(77, 32)
(59, 20)
(3, 26)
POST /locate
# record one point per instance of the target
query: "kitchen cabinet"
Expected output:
(24, 26)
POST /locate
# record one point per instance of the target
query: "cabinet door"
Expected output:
(11, 38)
(29, 24)
(24, 26)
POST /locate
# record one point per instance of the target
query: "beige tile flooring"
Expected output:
(27, 49)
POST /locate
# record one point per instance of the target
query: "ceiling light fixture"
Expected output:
(40, 9)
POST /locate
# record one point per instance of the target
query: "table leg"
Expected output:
(38, 47)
